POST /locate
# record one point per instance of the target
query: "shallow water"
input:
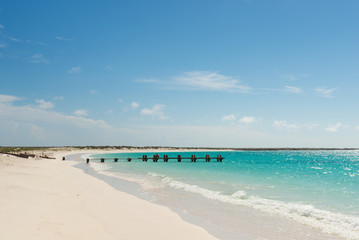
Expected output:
(276, 190)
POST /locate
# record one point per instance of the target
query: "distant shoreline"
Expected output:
(28, 149)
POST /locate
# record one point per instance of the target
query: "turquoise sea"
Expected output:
(318, 190)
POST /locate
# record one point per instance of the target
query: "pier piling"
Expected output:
(156, 157)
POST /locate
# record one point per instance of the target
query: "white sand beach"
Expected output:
(51, 199)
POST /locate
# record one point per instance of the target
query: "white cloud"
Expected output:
(2, 45)
(34, 42)
(8, 98)
(63, 39)
(229, 117)
(74, 70)
(248, 120)
(282, 124)
(31, 125)
(334, 128)
(81, 112)
(33, 114)
(44, 105)
(120, 100)
(14, 39)
(326, 92)
(135, 104)
(38, 58)
(156, 112)
(207, 80)
(92, 91)
(2, 26)
(357, 128)
(292, 89)
(88, 122)
(109, 111)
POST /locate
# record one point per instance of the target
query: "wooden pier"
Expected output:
(165, 158)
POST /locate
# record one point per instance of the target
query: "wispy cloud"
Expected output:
(334, 128)
(2, 26)
(63, 38)
(25, 124)
(135, 104)
(81, 113)
(324, 92)
(120, 100)
(8, 98)
(38, 58)
(248, 120)
(156, 112)
(228, 118)
(74, 70)
(93, 91)
(25, 41)
(43, 104)
(37, 42)
(207, 80)
(2, 45)
(14, 39)
(292, 89)
(282, 124)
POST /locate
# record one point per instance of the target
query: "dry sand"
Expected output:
(51, 199)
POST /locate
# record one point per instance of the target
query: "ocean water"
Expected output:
(318, 190)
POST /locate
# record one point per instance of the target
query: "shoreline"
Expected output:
(248, 218)
(20, 150)
(52, 199)
(209, 231)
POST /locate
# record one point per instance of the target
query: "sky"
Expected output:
(199, 73)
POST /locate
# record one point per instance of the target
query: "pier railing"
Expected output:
(157, 157)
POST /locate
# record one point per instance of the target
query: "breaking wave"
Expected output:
(333, 223)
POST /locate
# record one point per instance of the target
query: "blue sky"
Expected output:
(243, 73)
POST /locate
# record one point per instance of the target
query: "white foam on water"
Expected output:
(333, 223)
(342, 225)
(99, 167)
(319, 168)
